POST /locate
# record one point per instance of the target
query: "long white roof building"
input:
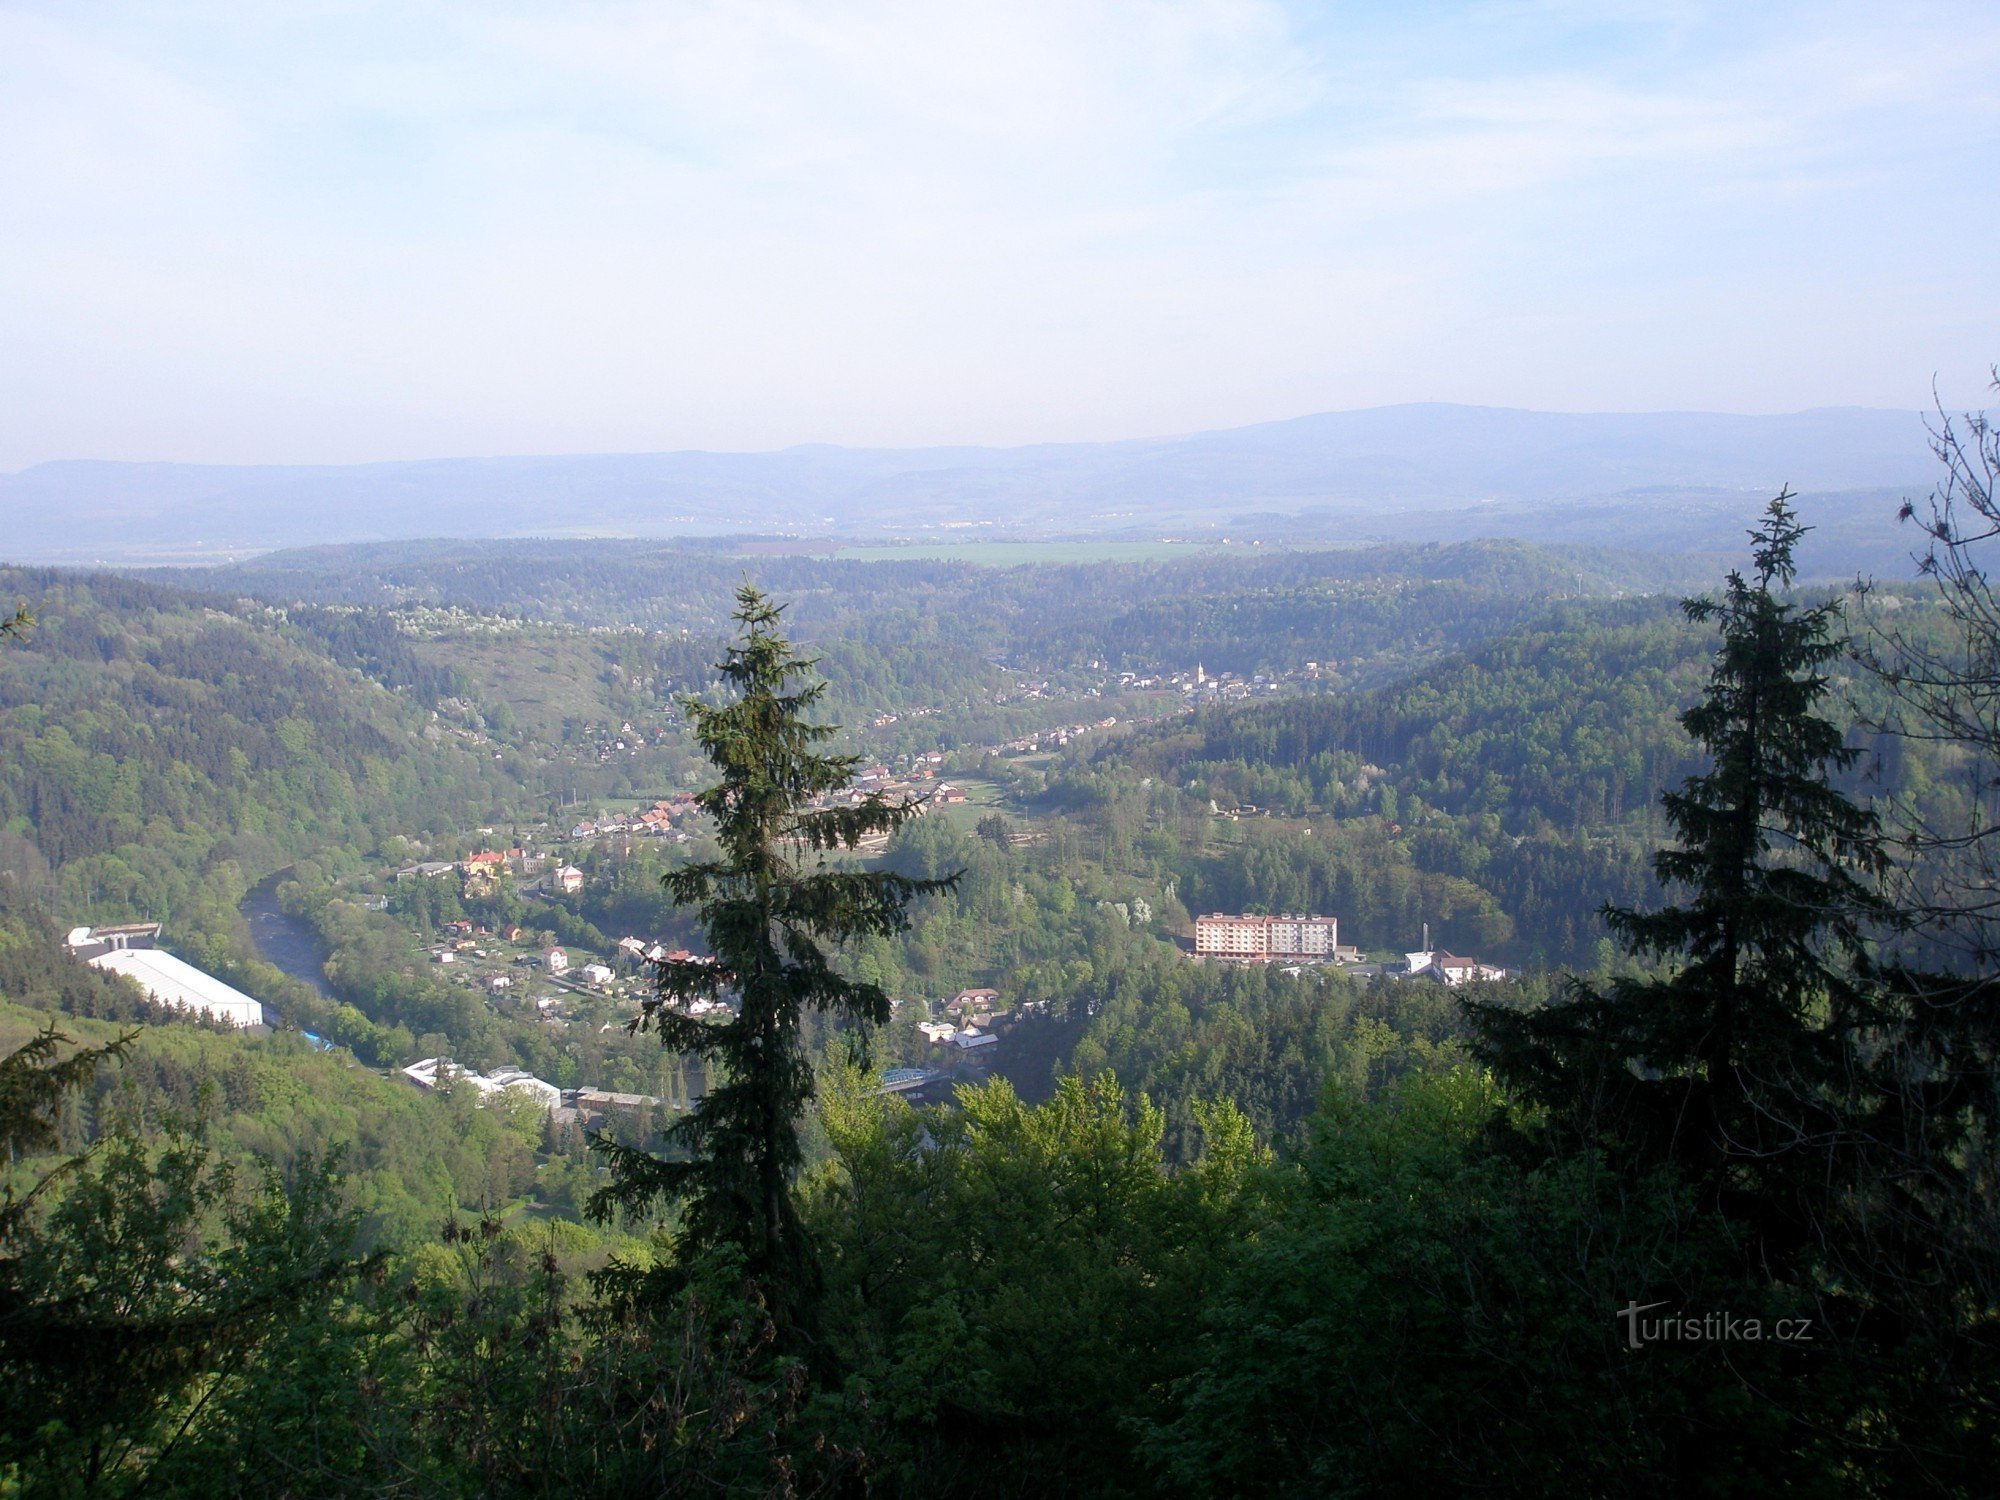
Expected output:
(180, 985)
(426, 1075)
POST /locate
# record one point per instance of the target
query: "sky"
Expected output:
(238, 231)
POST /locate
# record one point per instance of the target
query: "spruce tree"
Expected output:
(770, 906)
(1828, 1114)
(1734, 1061)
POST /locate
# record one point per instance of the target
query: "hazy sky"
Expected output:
(280, 230)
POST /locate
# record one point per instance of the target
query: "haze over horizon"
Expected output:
(1417, 471)
(360, 234)
(807, 446)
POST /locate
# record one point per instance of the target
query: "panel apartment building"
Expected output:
(1266, 937)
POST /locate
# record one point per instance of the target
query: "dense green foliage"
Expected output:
(1014, 1283)
(1785, 1084)
(144, 1272)
(1237, 1230)
(160, 752)
(1567, 723)
(897, 633)
(409, 1158)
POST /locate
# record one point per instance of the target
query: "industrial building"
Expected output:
(434, 1072)
(168, 981)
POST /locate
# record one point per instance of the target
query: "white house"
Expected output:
(596, 974)
(969, 1039)
(1456, 971)
(556, 961)
(568, 879)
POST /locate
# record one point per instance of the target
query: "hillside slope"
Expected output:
(160, 750)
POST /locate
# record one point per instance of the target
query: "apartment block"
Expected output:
(1290, 936)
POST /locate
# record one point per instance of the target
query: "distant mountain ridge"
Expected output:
(1383, 461)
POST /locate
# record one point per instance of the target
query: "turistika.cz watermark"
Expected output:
(1707, 1328)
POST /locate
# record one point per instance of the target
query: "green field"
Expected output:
(981, 798)
(1014, 554)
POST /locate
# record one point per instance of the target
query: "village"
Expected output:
(550, 968)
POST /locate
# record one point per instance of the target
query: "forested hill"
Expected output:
(1569, 723)
(1502, 795)
(159, 748)
(690, 583)
(1527, 769)
(1243, 609)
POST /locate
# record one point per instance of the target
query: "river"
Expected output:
(283, 940)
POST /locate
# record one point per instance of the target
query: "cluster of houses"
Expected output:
(465, 943)
(639, 951)
(1294, 938)
(662, 820)
(918, 783)
(439, 1072)
(967, 1023)
(1199, 683)
(667, 817)
(1198, 686)
(1055, 739)
(913, 782)
(604, 743)
(556, 961)
(1200, 689)
(485, 863)
(883, 721)
(482, 871)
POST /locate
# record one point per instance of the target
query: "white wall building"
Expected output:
(87, 942)
(433, 1071)
(1456, 971)
(1266, 937)
(181, 986)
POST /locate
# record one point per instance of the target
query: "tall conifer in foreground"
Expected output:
(769, 908)
(1829, 1113)
(1735, 1063)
